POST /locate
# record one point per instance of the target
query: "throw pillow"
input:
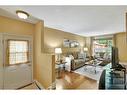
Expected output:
(70, 56)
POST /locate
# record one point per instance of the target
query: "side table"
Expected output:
(59, 70)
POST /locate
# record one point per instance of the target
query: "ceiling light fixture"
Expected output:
(22, 14)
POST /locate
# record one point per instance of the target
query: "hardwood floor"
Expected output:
(71, 80)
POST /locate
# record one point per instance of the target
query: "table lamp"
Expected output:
(58, 51)
(85, 50)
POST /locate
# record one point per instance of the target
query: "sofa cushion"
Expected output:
(75, 55)
(81, 56)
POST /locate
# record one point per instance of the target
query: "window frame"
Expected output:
(8, 52)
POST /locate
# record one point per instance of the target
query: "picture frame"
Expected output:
(70, 43)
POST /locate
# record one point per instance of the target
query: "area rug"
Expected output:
(89, 71)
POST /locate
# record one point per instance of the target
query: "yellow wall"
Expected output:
(121, 43)
(89, 45)
(15, 26)
(54, 38)
(43, 62)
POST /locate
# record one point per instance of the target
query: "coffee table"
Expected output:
(93, 63)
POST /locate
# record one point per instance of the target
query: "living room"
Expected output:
(52, 45)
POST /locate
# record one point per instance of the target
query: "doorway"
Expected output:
(15, 61)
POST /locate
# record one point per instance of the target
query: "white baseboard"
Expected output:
(40, 86)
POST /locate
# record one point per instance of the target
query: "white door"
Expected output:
(17, 75)
(1, 62)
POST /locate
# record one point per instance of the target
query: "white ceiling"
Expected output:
(81, 20)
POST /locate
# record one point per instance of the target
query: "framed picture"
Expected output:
(66, 43)
(70, 43)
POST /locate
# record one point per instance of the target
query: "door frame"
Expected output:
(2, 62)
(20, 37)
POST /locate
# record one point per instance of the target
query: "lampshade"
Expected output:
(58, 50)
(85, 49)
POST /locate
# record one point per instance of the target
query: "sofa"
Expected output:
(77, 63)
(75, 60)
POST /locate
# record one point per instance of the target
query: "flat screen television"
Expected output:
(115, 57)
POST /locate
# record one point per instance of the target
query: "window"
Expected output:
(101, 47)
(17, 51)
